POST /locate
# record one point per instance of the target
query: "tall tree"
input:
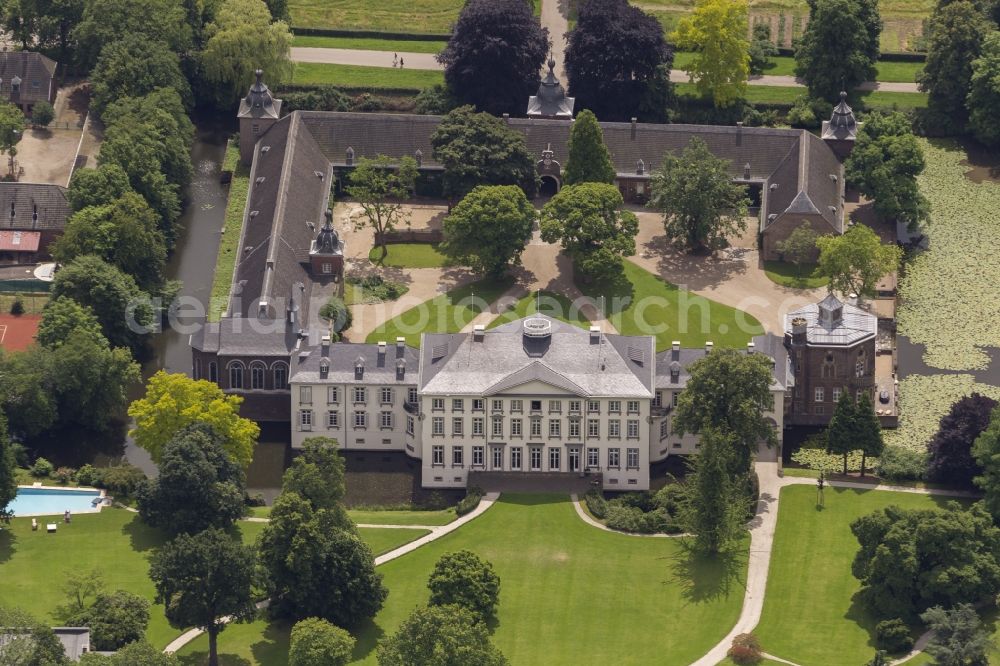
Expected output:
(700, 203)
(842, 434)
(856, 260)
(956, 31)
(983, 100)
(113, 296)
(912, 559)
(378, 185)
(489, 228)
(467, 580)
(440, 636)
(799, 248)
(317, 473)
(590, 223)
(949, 458)
(173, 401)
(762, 48)
(316, 566)
(727, 394)
(838, 49)
(202, 579)
(8, 471)
(198, 486)
(714, 509)
(133, 66)
(494, 55)
(105, 21)
(124, 233)
(589, 160)
(97, 187)
(869, 430)
(615, 54)
(884, 165)
(480, 149)
(43, 25)
(242, 39)
(717, 33)
(11, 128)
(986, 451)
(958, 637)
(316, 642)
(114, 619)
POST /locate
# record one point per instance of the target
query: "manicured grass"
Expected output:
(229, 246)
(789, 275)
(33, 303)
(888, 71)
(442, 517)
(554, 305)
(260, 642)
(901, 100)
(382, 539)
(570, 594)
(644, 304)
(409, 255)
(370, 44)
(788, 95)
(810, 612)
(414, 16)
(447, 313)
(357, 76)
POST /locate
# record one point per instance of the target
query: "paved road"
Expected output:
(427, 61)
(553, 19)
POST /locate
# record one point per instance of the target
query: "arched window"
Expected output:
(280, 369)
(829, 369)
(862, 365)
(235, 375)
(257, 375)
(213, 373)
(197, 368)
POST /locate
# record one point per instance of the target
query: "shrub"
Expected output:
(893, 636)
(121, 479)
(42, 114)
(745, 650)
(631, 519)
(596, 504)
(808, 113)
(338, 314)
(470, 501)
(88, 475)
(17, 306)
(63, 475)
(42, 468)
(316, 642)
(642, 501)
(465, 579)
(435, 101)
(899, 464)
(322, 98)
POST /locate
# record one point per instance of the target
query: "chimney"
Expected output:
(634, 120)
(708, 347)
(852, 298)
(478, 332)
(324, 344)
(799, 328)
(381, 347)
(751, 347)
(739, 132)
(595, 334)
(675, 345)
(506, 118)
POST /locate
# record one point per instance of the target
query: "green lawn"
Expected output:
(788, 95)
(888, 71)
(409, 255)
(370, 44)
(549, 303)
(810, 615)
(442, 517)
(415, 16)
(447, 313)
(789, 275)
(382, 539)
(229, 246)
(644, 304)
(570, 594)
(358, 76)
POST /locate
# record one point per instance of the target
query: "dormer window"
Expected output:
(350, 156)
(324, 368)
(419, 157)
(746, 171)
(640, 167)
(359, 368)
(400, 369)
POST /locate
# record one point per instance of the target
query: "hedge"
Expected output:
(470, 501)
(889, 56)
(371, 34)
(350, 90)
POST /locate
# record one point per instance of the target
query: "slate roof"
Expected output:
(27, 199)
(842, 124)
(31, 68)
(551, 100)
(771, 346)
(259, 102)
(573, 360)
(797, 161)
(343, 357)
(852, 326)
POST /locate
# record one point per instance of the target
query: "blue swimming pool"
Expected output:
(53, 501)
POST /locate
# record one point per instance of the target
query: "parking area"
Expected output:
(48, 155)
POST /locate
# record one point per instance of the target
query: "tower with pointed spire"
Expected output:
(326, 255)
(551, 100)
(258, 111)
(841, 130)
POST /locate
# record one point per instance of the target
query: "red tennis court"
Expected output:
(16, 333)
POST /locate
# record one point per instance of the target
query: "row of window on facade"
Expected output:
(238, 372)
(535, 406)
(514, 458)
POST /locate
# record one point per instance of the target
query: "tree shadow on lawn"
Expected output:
(368, 634)
(691, 271)
(142, 536)
(201, 658)
(273, 650)
(8, 542)
(704, 577)
(860, 615)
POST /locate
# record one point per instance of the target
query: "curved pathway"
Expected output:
(437, 532)
(359, 57)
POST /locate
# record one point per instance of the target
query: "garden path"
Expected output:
(554, 18)
(332, 56)
(436, 532)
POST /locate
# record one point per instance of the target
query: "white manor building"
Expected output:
(534, 395)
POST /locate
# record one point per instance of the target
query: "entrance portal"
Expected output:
(549, 187)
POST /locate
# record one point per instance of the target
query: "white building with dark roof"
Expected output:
(535, 395)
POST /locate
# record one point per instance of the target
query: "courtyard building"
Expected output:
(32, 216)
(27, 78)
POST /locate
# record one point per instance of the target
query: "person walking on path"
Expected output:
(395, 59)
